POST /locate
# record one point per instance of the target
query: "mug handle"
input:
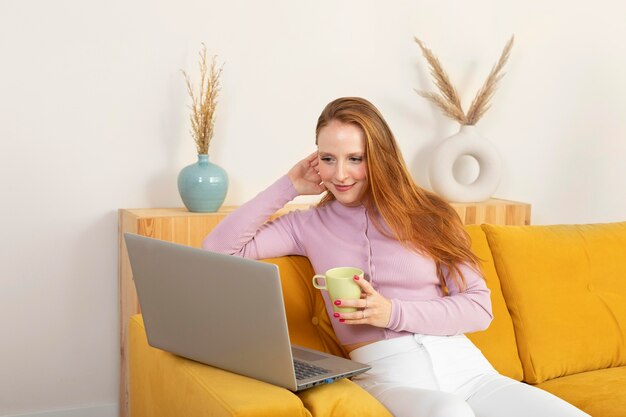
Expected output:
(319, 286)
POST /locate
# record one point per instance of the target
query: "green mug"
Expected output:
(339, 282)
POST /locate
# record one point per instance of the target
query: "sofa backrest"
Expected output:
(308, 322)
(565, 287)
(497, 343)
(558, 296)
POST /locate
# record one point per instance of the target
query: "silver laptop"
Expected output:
(224, 311)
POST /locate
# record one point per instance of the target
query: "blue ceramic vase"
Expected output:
(203, 185)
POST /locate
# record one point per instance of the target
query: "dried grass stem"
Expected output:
(204, 102)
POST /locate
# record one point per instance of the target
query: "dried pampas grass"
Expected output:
(448, 99)
(204, 102)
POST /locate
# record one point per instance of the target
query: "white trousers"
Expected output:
(447, 376)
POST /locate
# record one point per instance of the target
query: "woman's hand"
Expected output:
(305, 176)
(373, 308)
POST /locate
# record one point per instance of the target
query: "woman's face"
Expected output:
(343, 167)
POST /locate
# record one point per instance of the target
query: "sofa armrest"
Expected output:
(163, 384)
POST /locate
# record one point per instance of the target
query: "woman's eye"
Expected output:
(326, 159)
(356, 159)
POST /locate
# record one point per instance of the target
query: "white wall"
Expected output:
(93, 117)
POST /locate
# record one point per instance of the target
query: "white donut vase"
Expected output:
(441, 170)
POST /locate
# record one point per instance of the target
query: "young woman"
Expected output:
(423, 287)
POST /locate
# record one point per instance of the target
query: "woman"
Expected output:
(423, 286)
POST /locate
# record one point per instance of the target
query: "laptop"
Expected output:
(224, 311)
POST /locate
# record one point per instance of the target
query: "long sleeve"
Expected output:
(459, 312)
(245, 232)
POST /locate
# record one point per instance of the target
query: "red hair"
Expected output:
(419, 219)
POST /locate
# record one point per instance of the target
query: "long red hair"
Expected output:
(419, 219)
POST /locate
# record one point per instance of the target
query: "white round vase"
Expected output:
(465, 143)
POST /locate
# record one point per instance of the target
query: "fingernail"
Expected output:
(338, 303)
(341, 320)
(336, 315)
(356, 277)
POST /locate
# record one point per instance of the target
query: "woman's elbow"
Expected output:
(485, 322)
(213, 244)
(485, 317)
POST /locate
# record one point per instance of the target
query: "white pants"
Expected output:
(447, 376)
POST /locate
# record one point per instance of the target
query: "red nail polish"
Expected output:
(337, 303)
(341, 320)
(336, 315)
(356, 277)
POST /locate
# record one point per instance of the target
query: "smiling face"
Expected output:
(343, 164)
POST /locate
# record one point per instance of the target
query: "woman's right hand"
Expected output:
(305, 176)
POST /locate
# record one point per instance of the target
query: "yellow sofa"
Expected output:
(559, 302)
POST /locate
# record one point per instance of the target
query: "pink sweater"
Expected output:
(337, 235)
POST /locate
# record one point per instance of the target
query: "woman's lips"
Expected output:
(343, 188)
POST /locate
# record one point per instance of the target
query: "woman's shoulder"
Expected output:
(302, 214)
(314, 213)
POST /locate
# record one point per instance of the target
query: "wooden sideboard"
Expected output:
(180, 226)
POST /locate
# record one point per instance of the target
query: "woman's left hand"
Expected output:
(372, 308)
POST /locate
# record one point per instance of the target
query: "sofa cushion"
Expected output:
(598, 393)
(308, 322)
(565, 288)
(497, 342)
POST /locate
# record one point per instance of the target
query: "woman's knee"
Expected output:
(412, 402)
(450, 407)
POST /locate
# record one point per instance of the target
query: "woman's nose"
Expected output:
(342, 172)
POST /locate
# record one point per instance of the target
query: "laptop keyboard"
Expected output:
(306, 370)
